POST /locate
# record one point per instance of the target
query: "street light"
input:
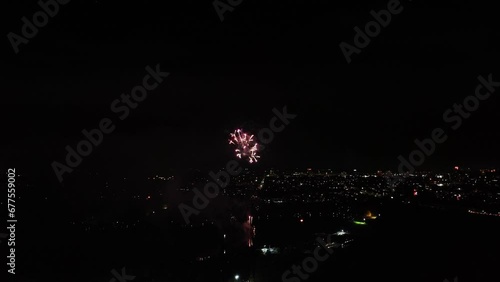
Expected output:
(236, 277)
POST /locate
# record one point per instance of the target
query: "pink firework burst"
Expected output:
(246, 147)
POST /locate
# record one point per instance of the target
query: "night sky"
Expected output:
(230, 74)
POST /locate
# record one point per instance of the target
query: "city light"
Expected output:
(341, 233)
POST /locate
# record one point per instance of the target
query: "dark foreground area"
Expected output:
(406, 243)
(416, 244)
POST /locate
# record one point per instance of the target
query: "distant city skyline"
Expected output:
(251, 141)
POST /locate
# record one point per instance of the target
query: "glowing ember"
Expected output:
(246, 147)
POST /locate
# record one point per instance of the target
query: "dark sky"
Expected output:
(233, 73)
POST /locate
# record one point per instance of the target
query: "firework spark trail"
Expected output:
(245, 145)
